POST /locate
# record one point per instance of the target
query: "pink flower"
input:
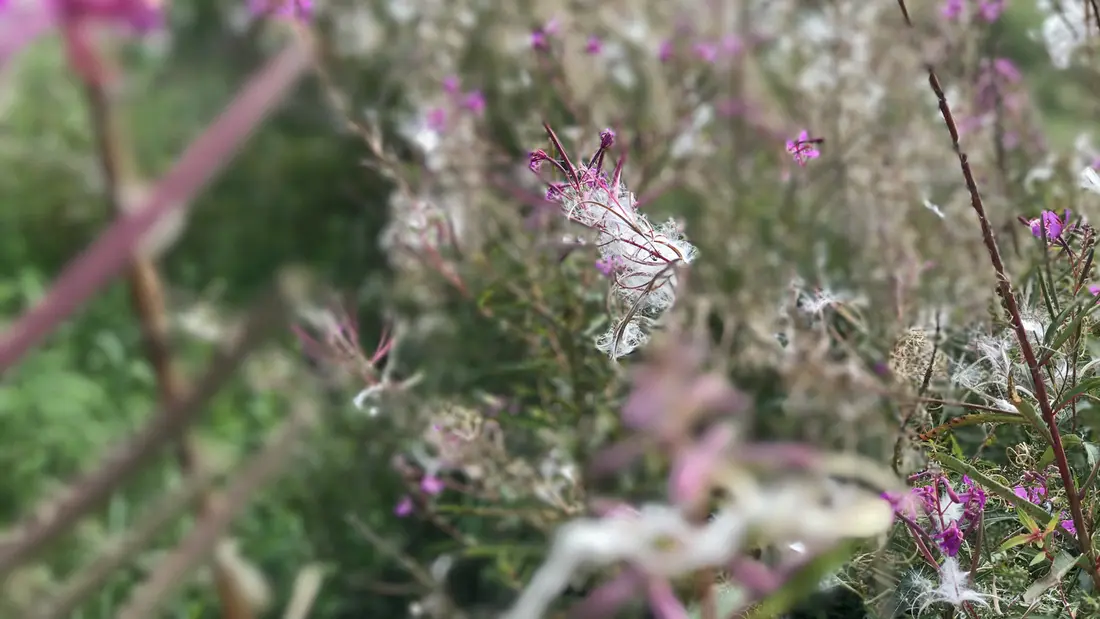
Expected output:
(404, 507)
(990, 10)
(594, 45)
(1049, 222)
(431, 484)
(609, 266)
(139, 15)
(664, 52)
(474, 101)
(707, 52)
(287, 9)
(437, 119)
(803, 148)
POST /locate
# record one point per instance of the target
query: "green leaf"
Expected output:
(1063, 563)
(1014, 541)
(1028, 411)
(1085, 386)
(1058, 321)
(1048, 455)
(989, 484)
(1092, 453)
(1028, 521)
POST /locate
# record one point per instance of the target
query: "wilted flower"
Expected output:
(646, 254)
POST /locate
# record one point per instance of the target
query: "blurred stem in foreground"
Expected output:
(122, 184)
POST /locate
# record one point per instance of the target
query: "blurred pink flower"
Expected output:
(432, 484)
(289, 9)
(404, 507)
(803, 149)
(474, 101)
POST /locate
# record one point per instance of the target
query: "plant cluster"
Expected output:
(750, 309)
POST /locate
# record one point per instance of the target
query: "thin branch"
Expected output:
(209, 153)
(147, 295)
(121, 550)
(264, 467)
(51, 519)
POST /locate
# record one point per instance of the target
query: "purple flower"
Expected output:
(474, 101)
(664, 52)
(803, 148)
(1049, 221)
(609, 266)
(451, 84)
(432, 484)
(952, 9)
(731, 44)
(1007, 69)
(437, 119)
(707, 52)
(140, 15)
(594, 45)
(287, 9)
(990, 10)
(540, 38)
(404, 507)
(950, 539)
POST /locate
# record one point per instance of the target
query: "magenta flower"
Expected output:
(436, 119)
(139, 15)
(540, 38)
(431, 484)
(803, 148)
(594, 45)
(664, 52)
(950, 539)
(287, 9)
(1049, 222)
(990, 10)
(952, 9)
(609, 266)
(474, 101)
(404, 507)
(451, 84)
(707, 52)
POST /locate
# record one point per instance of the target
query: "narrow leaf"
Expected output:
(1063, 563)
(989, 484)
(1014, 541)
(1085, 386)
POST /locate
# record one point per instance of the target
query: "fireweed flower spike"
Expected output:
(644, 255)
